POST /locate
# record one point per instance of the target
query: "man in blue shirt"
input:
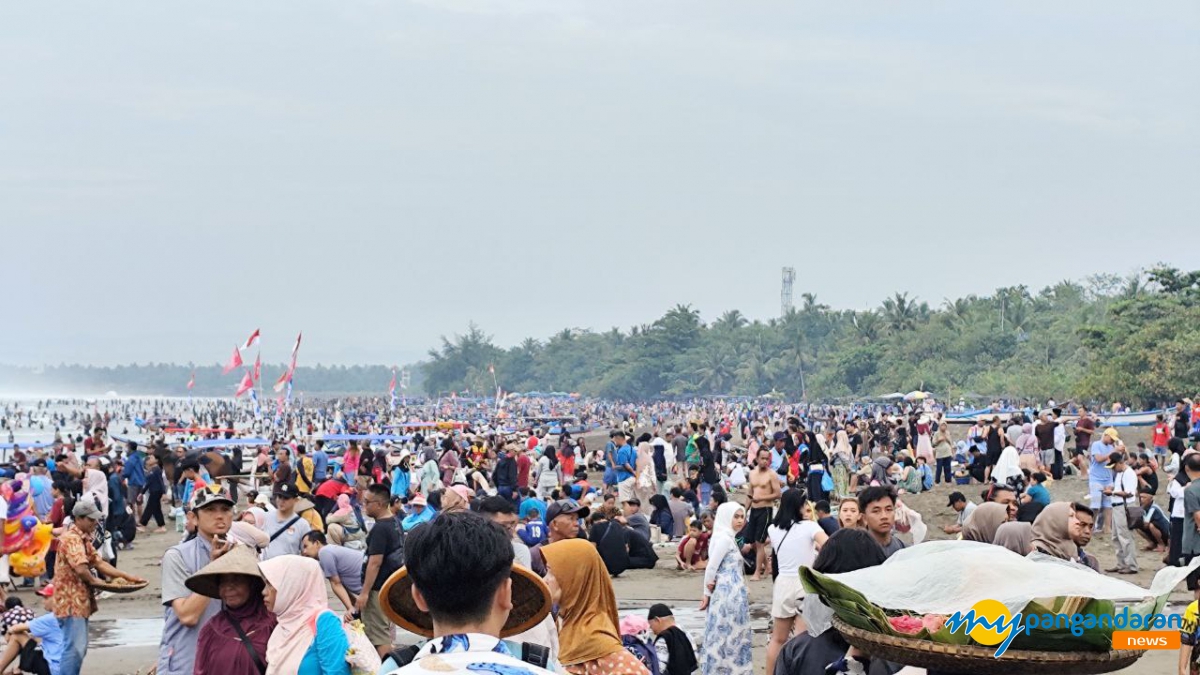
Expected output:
(320, 460)
(1101, 477)
(35, 642)
(626, 460)
(134, 474)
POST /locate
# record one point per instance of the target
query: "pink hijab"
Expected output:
(343, 506)
(299, 598)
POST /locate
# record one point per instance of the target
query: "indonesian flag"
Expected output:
(287, 374)
(235, 361)
(250, 341)
(246, 385)
(392, 390)
(283, 380)
(257, 367)
(192, 382)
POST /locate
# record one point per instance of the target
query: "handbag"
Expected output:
(1133, 516)
(775, 555)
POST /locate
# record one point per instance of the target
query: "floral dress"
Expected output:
(727, 649)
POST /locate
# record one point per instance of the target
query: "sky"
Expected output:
(378, 174)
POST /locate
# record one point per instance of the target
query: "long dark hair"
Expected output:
(791, 509)
(847, 550)
(550, 454)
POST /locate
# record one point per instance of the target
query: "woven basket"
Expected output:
(979, 660)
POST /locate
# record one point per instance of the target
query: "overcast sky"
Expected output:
(381, 173)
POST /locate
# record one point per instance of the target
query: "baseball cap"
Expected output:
(564, 507)
(1113, 459)
(658, 611)
(209, 495)
(86, 508)
(287, 491)
(780, 436)
(956, 497)
(1112, 432)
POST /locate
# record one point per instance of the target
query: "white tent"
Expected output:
(890, 397)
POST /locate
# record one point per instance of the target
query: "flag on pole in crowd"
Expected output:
(192, 381)
(254, 398)
(286, 378)
(392, 390)
(235, 362)
(246, 385)
(251, 341)
(258, 368)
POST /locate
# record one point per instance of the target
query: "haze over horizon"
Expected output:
(378, 175)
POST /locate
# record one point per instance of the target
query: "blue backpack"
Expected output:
(642, 652)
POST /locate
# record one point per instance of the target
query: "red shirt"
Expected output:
(332, 489)
(523, 464)
(1161, 435)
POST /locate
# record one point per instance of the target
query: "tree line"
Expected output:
(1131, 339)
(1110, 338)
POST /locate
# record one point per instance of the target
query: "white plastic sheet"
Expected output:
(944, 577)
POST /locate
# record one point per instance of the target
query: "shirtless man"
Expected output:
(764, 491)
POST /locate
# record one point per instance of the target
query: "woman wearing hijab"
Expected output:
(727, 648)
(547, 473)
(1028, 450)
(981, 526)
(662, 516)
(1007, 471)
(342, 525)
(924, 443)
(1014, 536)
(843, 455)
(589, 642)
(401, 477)
(233, 642)
(645, 484)
(431, 475)
(1175, 504)
(419, 512)
(308, 638)
(1056, 532)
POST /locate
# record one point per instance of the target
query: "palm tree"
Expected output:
(730, 321)
(901, 313)
(868, 325)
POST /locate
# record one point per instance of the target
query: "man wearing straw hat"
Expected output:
(185, 611)
(460, 588)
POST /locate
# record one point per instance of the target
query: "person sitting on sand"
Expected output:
(692, 553)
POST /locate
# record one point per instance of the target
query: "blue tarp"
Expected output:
(226, 442)
(365, 437)
(36, 445)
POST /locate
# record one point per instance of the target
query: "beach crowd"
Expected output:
(496, 541)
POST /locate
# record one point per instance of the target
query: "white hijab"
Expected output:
(723, 540)
(1008, 466)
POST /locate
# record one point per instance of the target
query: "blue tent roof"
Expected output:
(226, 442)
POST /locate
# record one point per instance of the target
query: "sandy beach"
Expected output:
(125, 633)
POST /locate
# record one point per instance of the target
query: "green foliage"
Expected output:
(1131, 339)
(1111, 338)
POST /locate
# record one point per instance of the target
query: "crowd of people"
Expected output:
(731, 493)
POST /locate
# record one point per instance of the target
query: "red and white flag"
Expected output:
(251, 341)
(192, 382)
(392, 385)
(235, 361)
(258, 368)
(246, 385)
(287, 374)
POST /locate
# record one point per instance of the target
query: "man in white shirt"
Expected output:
(1124, 494)
(964, 507)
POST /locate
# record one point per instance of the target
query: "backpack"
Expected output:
(361, 655)
(642, 652)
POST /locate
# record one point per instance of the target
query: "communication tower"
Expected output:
(785, 295)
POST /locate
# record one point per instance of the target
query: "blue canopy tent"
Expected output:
(225, 442)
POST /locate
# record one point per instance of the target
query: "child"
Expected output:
(533, 531)
(692, 553)
(676, 655)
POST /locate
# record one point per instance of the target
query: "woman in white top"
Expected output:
(547, 473)
(795, 542)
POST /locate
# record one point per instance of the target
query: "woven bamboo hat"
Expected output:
(530, 599)
(241, 560)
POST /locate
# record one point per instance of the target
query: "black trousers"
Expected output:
(943, 466)
(642, 562)
(153, 509)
